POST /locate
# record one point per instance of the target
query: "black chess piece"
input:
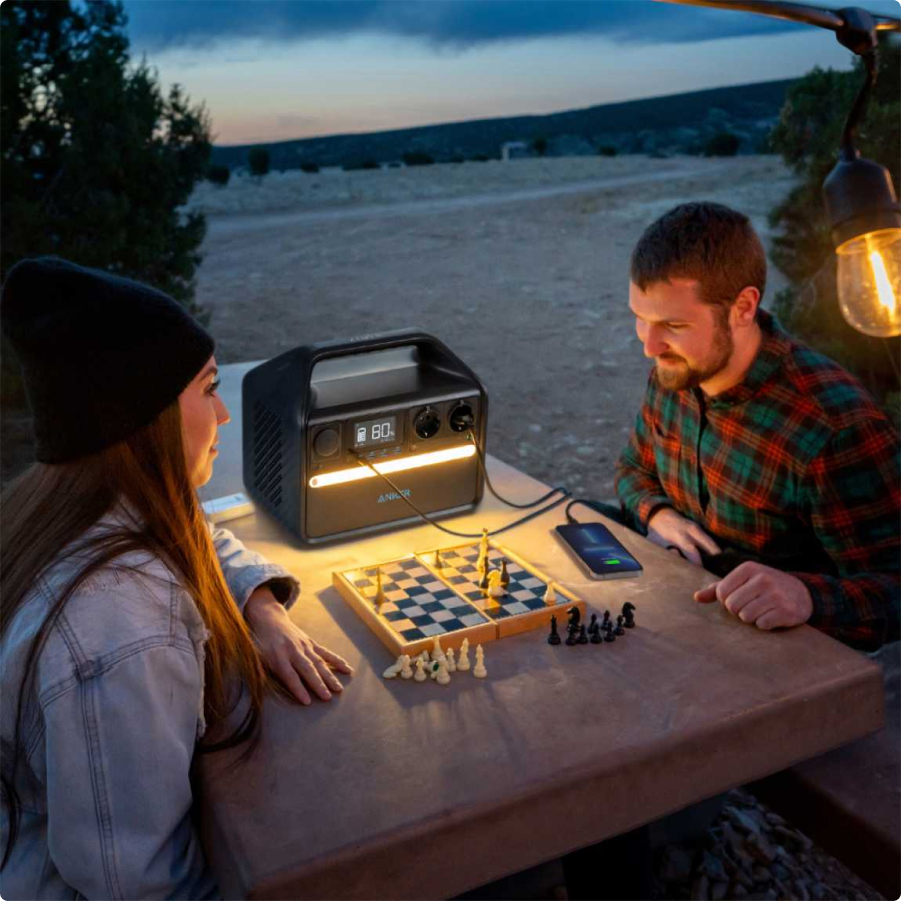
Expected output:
(593, 623)
(629, 614)
(483, 584)
(505, 576)
(571, 636)
(608, 632)
(554, 637)
(595, 631)
(583, 637)
(575, 617)
(619, 630)
(606, 619)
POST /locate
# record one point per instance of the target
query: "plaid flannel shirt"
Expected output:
(797, 466)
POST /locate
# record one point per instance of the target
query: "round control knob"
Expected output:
(326, 443)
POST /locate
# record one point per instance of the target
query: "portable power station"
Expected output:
(318, 420)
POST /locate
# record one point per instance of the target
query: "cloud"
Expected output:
(452, 24)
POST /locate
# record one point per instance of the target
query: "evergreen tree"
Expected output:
(95, 160)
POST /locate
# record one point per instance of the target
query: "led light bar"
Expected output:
(417, 461)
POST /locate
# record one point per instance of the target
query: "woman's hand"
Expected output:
(295, 659)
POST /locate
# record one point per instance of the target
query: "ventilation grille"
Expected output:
(267, 453)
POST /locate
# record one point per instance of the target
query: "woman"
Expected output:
(126, 622)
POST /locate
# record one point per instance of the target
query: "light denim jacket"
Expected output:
(103, 778)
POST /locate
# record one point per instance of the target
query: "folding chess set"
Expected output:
(475, 592)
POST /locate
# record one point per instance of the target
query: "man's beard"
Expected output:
(686, 376)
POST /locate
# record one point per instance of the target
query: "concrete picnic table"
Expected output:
(405, 790)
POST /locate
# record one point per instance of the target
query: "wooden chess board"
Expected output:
(422, 598)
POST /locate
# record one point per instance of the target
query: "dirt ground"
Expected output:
(521, 268)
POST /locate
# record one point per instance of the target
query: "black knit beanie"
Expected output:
(101, 356)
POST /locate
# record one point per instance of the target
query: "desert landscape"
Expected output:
(521, 268)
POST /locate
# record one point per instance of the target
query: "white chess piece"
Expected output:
(406, 671)
(442, 678)
(449, 658)
(424, 656)
(550, 594)
(479, 670)
(463, 660)
(433, 669)
(495, 589)
(395, 668)
(437, 650)
(420, 670)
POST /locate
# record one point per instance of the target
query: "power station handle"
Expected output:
(369, 343)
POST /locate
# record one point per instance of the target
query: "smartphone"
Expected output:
(598, 553)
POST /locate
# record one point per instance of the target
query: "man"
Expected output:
(751, 447)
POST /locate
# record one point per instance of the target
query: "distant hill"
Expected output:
(679, 123)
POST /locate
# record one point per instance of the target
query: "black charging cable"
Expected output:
(592, 505)
(399, 492)
(562, 491)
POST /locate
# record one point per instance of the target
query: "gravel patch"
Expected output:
(749, 852)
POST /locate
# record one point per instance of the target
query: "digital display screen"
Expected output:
(375, 432)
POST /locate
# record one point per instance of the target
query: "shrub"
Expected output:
(258, 161)
(418, 158)
(360, 164)
(723, 143)
(539, 146)
(218, 175)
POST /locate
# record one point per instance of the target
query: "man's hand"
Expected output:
(289, 652)
(761, 595)
(668, 529)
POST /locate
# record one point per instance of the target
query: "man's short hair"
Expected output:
(708, 242)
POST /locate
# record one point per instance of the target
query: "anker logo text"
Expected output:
(393, 496)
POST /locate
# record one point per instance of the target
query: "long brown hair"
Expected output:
(44, 515)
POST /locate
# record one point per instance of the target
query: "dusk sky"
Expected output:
(272, 70)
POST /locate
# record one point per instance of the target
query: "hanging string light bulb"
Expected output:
(863, 209)
(861, 204)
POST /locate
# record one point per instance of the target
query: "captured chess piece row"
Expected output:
(439, 665)
(596, 632)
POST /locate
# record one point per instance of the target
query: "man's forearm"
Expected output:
(861, 610)
(639, 493)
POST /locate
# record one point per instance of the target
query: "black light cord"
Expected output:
(849, 132)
